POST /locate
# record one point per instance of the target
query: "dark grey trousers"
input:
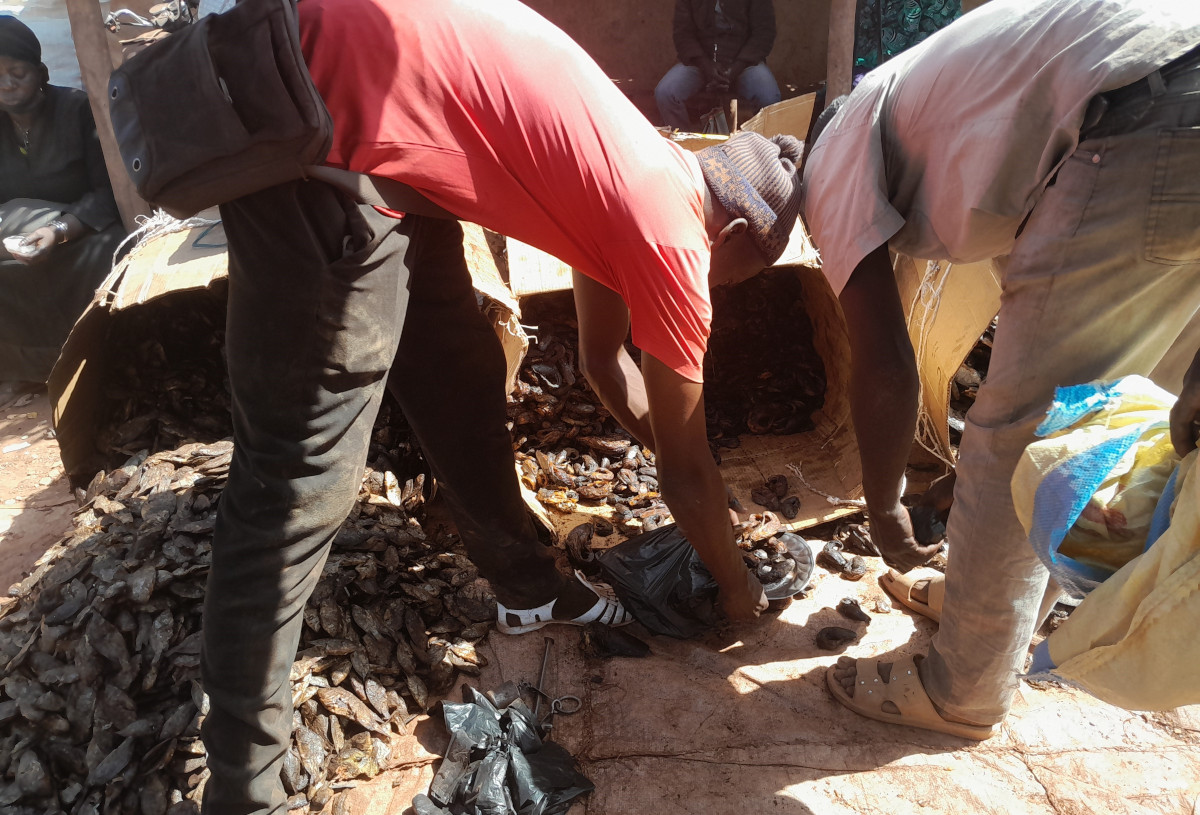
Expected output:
(324, 298)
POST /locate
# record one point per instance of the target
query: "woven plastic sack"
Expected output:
(1133, 642)
(1086, 493)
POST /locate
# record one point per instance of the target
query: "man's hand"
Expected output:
(892, 534)
(37, 246)
(1185, 415)
(744, 606)
(720, 79)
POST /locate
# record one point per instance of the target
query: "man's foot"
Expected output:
(922, 590)
(892, 692)
(579, 602)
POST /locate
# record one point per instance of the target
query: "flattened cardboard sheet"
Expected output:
(948, 307)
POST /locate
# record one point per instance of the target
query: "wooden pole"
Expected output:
(839, 71)
(95, 66)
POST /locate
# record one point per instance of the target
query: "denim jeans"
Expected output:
(756, 85)
(1101, 282)
(325, 297)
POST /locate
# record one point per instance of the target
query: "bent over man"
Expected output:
(1062, 137)
(446, 105)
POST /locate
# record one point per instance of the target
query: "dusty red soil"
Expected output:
(35, 501)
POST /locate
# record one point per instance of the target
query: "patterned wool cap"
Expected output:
(757, 179)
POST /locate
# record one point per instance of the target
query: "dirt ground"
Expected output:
(35, 501)
(740, 721)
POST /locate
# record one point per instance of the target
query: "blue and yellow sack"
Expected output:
(1115, 515)
(1088, 491)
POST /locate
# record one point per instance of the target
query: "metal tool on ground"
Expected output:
(541, 684)
(566, 704)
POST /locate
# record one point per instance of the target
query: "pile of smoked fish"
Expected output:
(100, 694)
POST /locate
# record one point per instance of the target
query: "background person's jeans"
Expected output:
(1102, 281)
(323, 294)
(756, 85)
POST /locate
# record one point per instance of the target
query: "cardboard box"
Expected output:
(791, 116)
(167, 264)
(948, 306)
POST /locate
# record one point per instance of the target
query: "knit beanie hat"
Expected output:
(757, 179)
(18, 41)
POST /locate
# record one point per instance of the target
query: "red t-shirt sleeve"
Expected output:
(666, 289)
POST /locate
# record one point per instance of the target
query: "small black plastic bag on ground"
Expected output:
(497, 764)
(662, 582)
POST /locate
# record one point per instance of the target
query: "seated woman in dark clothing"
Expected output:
(58, 218)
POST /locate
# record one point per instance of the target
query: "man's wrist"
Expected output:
(61, 230)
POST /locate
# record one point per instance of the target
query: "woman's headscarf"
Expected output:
(18, 41)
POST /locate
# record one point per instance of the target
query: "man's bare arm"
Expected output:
(692, 485)
(603, 327)
(883, 402)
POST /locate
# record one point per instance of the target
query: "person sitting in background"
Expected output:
(58, 218)
(721, 46)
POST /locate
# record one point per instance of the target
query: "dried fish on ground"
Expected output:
(762, 374)
(834, 637)
(834, 559)
(100, 702)
(849, 608)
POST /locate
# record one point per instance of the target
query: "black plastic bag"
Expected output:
(662, 582)
(498, 764)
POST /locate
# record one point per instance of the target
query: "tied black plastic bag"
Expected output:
(661, 581)
(497, 764)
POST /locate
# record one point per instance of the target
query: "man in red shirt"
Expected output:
(450, 108)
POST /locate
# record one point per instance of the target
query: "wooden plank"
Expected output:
(92, 48)
(840, 56)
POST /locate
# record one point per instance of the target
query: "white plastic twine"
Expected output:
(833, 499)
(929, 295)
(160, 223)
(149, 227)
